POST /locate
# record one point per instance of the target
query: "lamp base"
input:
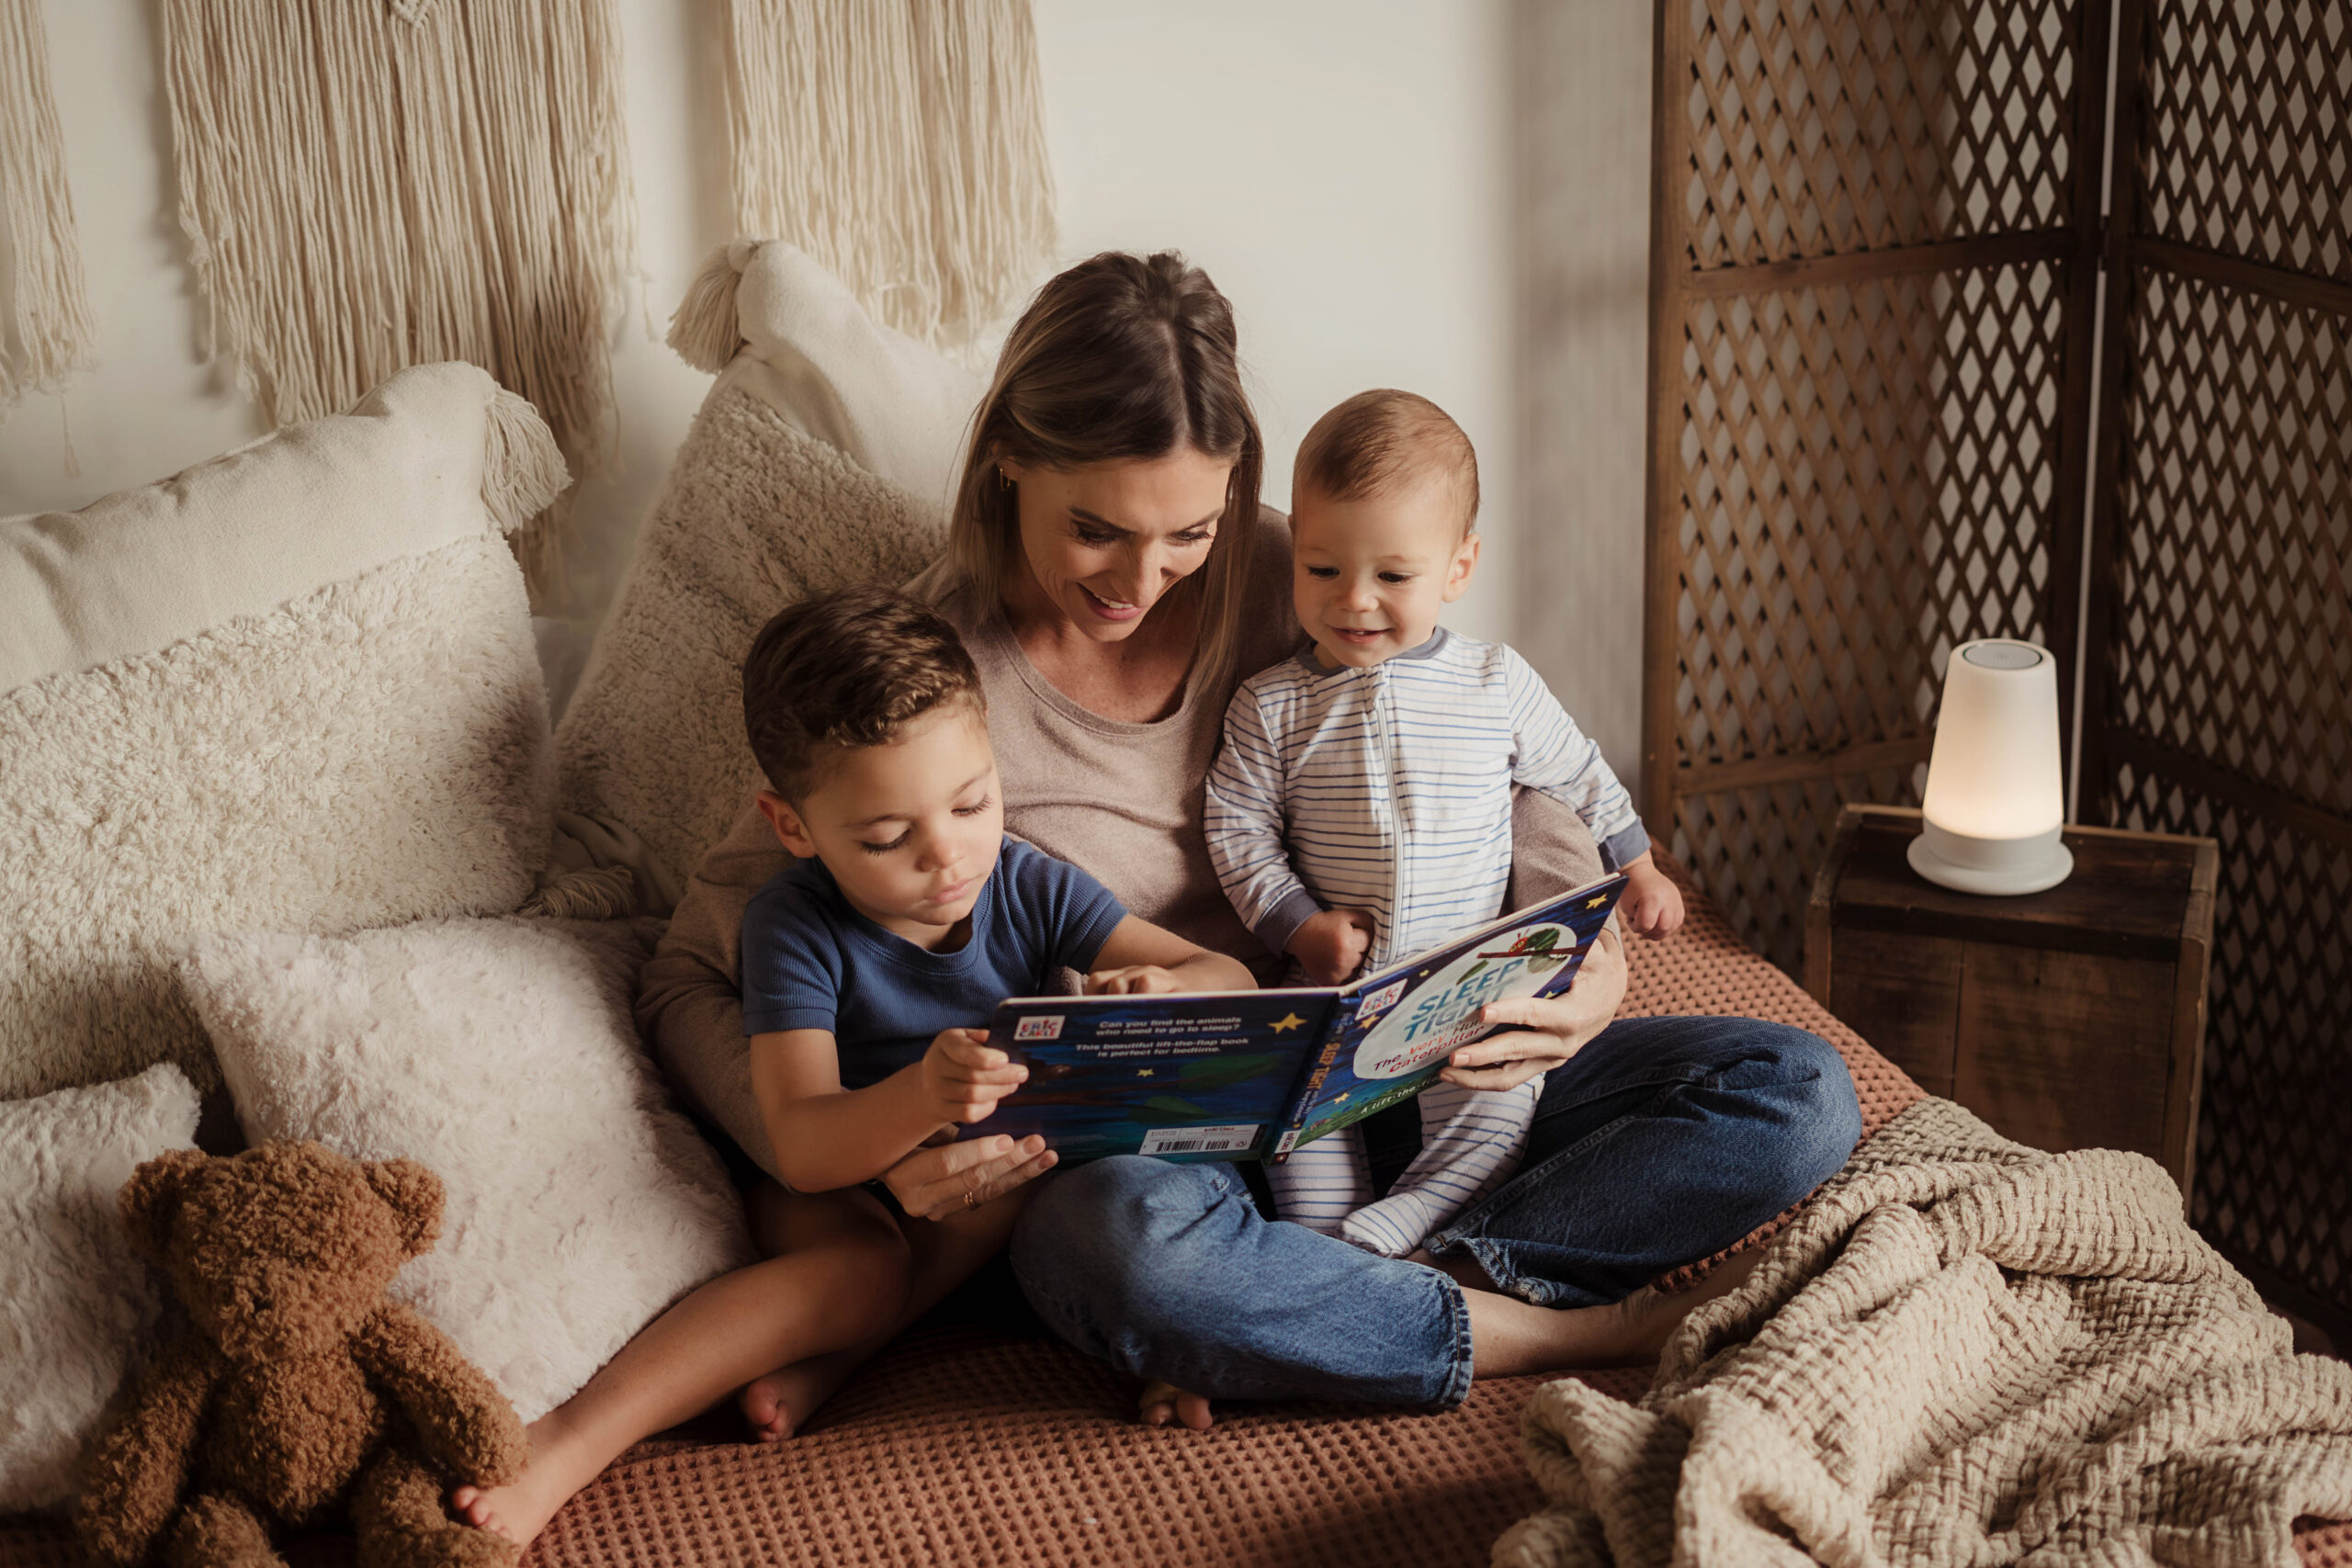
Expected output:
(2045, 869)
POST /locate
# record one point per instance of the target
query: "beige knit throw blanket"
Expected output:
(1962, 1352)
(900, 143)
(368, 185)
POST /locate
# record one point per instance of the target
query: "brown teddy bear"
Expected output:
(301, 1388)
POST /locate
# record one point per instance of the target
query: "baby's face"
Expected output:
(1369, 577)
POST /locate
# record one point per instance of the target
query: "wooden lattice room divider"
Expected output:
(1878, 238)
(2218, 697)
(1874, 253)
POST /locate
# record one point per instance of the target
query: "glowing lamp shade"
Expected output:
(1994, 804)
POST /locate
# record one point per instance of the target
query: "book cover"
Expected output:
(1391, 1033)
(1249, 1074)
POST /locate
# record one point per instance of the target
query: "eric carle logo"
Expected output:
(1443, 1013)
(1040, 1026)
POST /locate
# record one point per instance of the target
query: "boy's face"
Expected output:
(1369, 577)
(910, 829)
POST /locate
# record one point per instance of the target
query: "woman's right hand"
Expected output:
(943, 1179)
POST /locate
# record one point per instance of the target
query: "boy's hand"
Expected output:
(1135, 980)
(1653, 905)
(964, 1076)
(1330, 946)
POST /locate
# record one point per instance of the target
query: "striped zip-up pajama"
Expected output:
(1388, 789)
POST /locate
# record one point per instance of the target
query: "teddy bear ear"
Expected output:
(414, 1194)
(150, 1202)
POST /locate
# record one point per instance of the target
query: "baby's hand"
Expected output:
(1330, 946)
(1652, 905)
(964, 1076)
(1135, 980)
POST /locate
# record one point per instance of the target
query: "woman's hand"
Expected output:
(943, 1179)
(1550, 1029)
(1134, 980)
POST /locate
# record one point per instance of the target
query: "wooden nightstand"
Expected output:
(2068, 1019)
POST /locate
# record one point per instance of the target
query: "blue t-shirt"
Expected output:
(812, 961)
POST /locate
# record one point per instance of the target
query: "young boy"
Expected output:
(869, 969)
(1361, 807)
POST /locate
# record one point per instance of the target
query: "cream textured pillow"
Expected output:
(755, 515)
(75, 1302)
(291, 689)
(499, 1052)
(774, 322)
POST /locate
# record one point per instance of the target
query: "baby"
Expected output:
(870, 968)
(1360, 810)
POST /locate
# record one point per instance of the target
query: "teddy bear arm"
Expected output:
(466, 1424)
(136, 1471)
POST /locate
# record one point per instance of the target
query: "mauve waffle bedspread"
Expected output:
(965, 1445)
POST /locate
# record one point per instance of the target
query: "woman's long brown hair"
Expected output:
(1122, 356)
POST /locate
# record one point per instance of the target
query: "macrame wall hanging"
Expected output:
(367, 185)
(46, 330)
(900, 143)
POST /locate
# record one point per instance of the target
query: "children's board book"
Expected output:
(1252, 1075)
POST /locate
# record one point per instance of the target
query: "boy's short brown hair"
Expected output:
(1381, 439)
(847, 670)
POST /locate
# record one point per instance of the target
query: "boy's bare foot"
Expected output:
(521, 1509)
(1161, 1402)
(776, 1406)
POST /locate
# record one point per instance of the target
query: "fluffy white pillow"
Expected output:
(499, 1052)
(74, 1299)
(294, 688)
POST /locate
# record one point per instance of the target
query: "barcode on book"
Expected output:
(1198, 1140)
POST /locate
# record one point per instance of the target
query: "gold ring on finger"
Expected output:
(972, 1198)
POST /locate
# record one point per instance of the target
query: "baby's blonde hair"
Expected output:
(1379, 440)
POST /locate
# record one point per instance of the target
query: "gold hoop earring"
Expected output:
(1003, 480)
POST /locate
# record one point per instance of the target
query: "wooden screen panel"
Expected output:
(2248, 113)
(2218, 695)
(1871, 300)
(1823, 129)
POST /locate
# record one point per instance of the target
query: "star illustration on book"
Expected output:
(1285, 1023)
(1596, 903)
(1143, 1072)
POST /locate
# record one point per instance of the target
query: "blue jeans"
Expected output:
(1664, 1140)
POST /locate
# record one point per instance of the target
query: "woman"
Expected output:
(1110, 569)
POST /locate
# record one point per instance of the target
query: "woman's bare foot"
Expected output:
(1652, 1316)
(521, 1509)
(1161, 1402)
(776, 1406)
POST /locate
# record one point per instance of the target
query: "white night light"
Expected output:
(1994, 804)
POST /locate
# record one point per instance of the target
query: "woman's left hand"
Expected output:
(1132, 980)
(1549, 1030)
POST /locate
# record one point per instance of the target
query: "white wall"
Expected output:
(1344, 168)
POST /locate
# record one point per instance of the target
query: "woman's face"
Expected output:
(1104, 541)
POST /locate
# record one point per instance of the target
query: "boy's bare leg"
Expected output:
(1509, 1337)
(945, 1253)
(843, 1265)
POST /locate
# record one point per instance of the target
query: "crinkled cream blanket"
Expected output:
(1962, 1352)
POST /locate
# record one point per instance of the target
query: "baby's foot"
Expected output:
(776, 1406)
(521, 1509)
(1161, 1402)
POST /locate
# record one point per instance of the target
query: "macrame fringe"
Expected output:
(48, 332)
(523, 469)
(374, 184)
(705, 331)
(900, 143)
